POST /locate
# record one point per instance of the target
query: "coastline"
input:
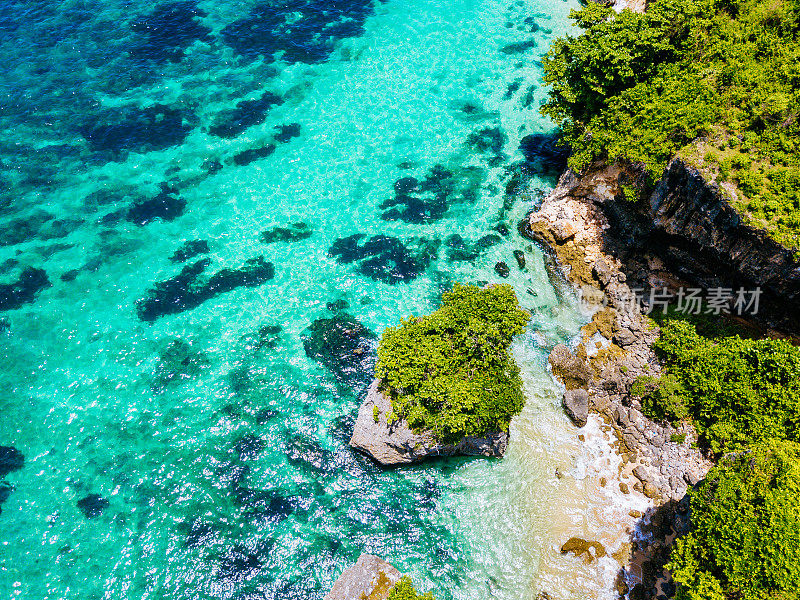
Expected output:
(611, 351)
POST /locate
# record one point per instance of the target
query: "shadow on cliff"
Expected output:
(645, 577)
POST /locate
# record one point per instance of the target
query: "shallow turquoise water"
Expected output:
(218, 443)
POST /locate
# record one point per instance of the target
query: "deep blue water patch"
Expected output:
(11, 460)
(247, 113)
(5, 493)
(307, 37)
(23, 291)
(93, 505)
(344, 346)
(544, 153)
(178, 363)
(168, 31)
(189, 289)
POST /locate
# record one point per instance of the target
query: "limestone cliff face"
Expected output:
(706, 240)
(396, 443)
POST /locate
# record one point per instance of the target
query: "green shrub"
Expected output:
(677, 438)
(640, 87)
(404, 590)
(450, 372)
(737, 391)
(745, 538)
(376, 412)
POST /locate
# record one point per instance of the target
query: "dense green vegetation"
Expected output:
(404, 590)
(715, 80)
(737, 391)
(743, 397)
(745, 538)
(450, 372)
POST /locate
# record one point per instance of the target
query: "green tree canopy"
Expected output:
(641, 87)
(745, 539)
(450, 372)
(737, 391)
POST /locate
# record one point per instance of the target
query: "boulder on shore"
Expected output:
(576, 405)
(397, 444)
(370, 577)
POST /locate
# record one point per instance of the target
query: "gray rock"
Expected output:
(691, 478)
(625, 337)
(369, 575)
(397, 444)
(576, 405)
(641, 474)
(621, 416)
(603, 272)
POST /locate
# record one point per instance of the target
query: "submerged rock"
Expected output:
(92, 505)
(11, 460)
(166, 205)
(293, 233)
(253, 154)
(190, 249)
(397, 444)
(502, 269)
(371, 577)
(590, 550)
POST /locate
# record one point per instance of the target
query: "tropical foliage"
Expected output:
(450, 372)
(642, 87)
(745, 538)
(404, 590)
(737, 391)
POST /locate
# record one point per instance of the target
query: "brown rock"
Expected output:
(370, 577)
(588, 549)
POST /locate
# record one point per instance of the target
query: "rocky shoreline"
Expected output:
(395, 443)
(659, 461)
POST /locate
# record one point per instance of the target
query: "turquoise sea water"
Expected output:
(208, 212)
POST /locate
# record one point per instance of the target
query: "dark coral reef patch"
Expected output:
(189, 289)
(303, 31)
(344, 346)
(247, 113)
(137, 129)
(166, 205)
(293, 233)
(384, 258)
(24, 289)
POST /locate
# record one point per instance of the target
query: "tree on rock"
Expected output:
(451, 372)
